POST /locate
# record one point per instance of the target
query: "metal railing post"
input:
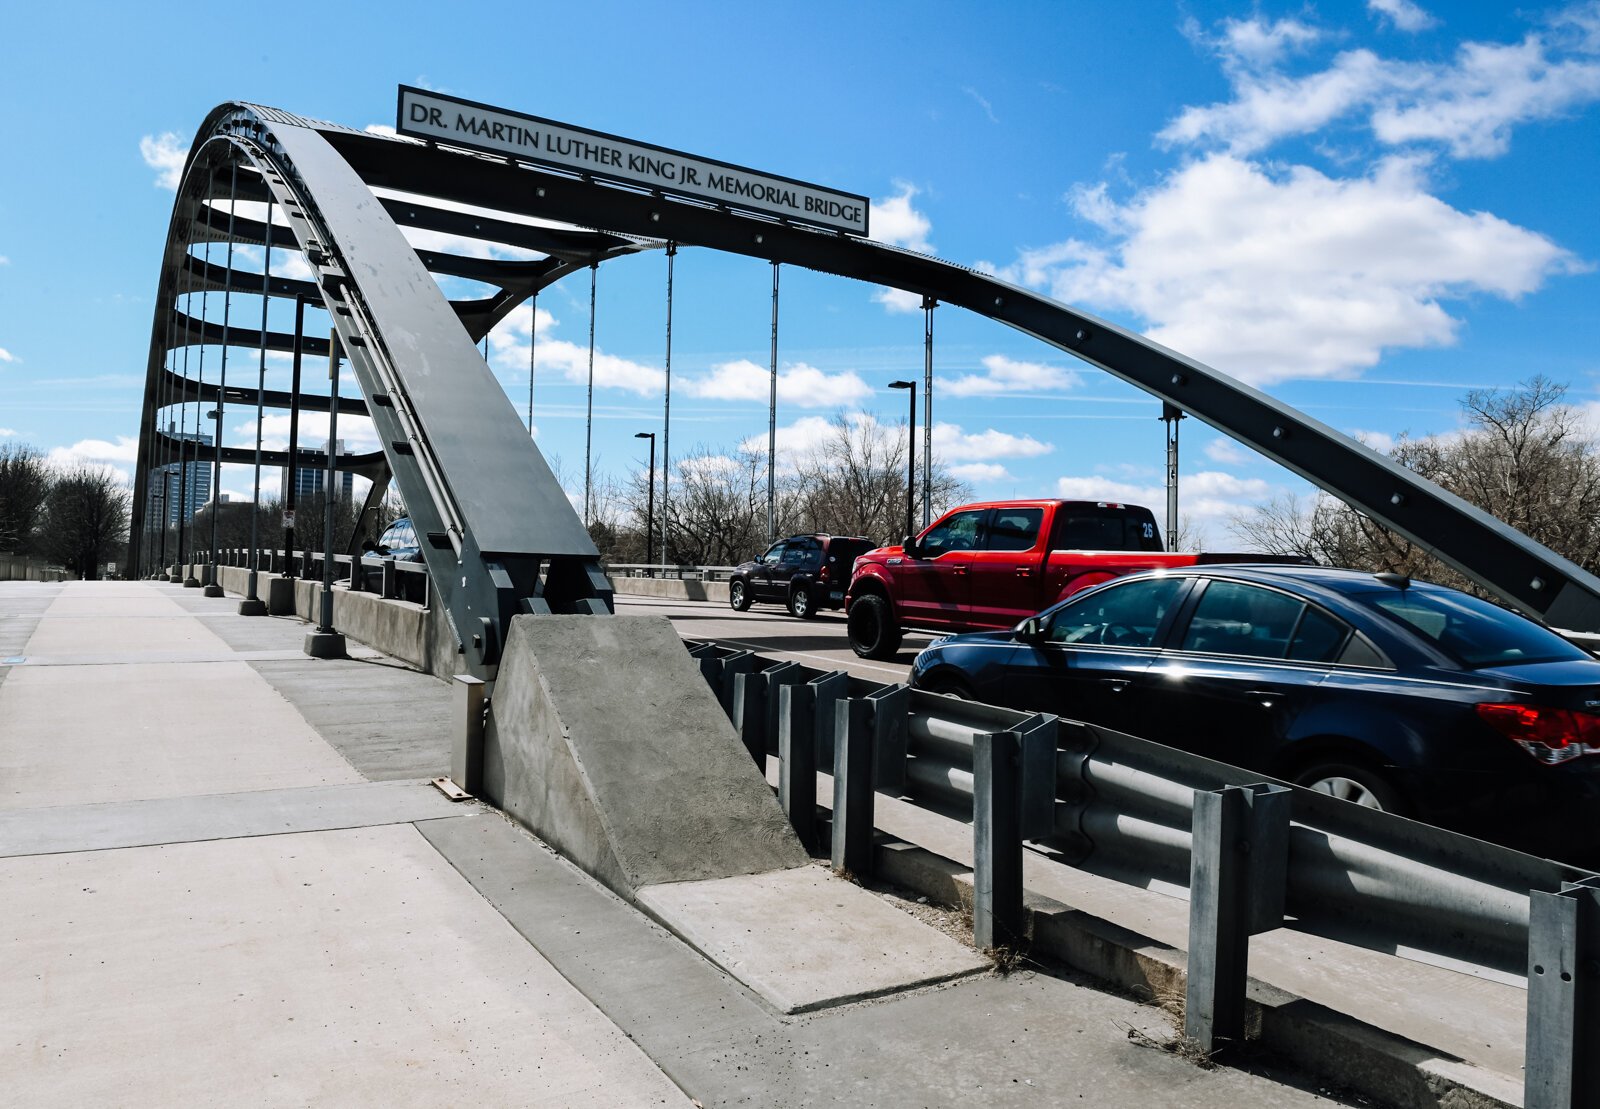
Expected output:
(852, 786)
(797, 759)
(1238, 877)
(749, 714)
(890, 737)
(1563, 1039)
(389, 593)
(466, 750)
(997, 916)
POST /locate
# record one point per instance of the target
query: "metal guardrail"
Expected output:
(661, 570)
(1254, 855)
(390, 578)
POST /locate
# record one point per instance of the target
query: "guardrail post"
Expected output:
(774, 678)
(734, 664)
(466, 752)
(831, 689)
(997, 917)
(749, 714)
(891, 736)
(797, 759)
(1238, 877)
(852, 786)
(1562, 1068)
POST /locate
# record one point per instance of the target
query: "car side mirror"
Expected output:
(909, 545)
(1030, 630)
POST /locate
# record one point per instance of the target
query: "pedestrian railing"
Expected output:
(1254, 855)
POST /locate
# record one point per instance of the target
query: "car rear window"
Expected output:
(1085, 528)
(1474, 632)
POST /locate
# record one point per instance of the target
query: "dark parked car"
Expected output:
(805, 572)
(1397, 695)
(399, 541)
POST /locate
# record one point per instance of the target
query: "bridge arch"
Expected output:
(504, 538)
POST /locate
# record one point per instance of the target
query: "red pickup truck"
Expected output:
(992, 565)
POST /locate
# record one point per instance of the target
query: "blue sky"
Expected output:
(1365, 208)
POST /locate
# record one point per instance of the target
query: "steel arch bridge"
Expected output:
(502, 537)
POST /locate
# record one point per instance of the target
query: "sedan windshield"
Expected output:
(1471, 631)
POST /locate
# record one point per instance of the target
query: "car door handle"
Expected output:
(958, 570)
(1117, 684)
(1266, 697)
(1024, 571)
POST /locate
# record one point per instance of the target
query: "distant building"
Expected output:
(193, 490)
(311, 473)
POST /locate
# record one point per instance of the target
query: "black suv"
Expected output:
(805, 572)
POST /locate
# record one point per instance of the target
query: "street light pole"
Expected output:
(650, 501)
(911, 449)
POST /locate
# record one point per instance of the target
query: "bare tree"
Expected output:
(24, 487)
(1524, 457)
(718, 514)
(85, 519)
(854, 482)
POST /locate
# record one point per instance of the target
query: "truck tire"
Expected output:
(738, 596)
(873, 632)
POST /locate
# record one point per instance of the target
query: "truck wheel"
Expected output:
(800, 603)
(873, 632)
(738, 598)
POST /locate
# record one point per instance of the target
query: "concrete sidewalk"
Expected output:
(226, 880)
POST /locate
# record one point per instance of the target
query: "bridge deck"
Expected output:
(225, 879)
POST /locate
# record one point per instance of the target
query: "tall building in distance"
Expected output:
(311, 473)
(191, 492)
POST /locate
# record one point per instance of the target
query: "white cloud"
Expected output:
(1405, 15)
(1467, 104)
(7, 432)
(7, 356)
(1255, 43)
(1227, 452)
(508, 347)
(896, 222)
(380, 129)
(359, 436)
(1006, 375)
(798, 384)
(898, 301)
(100, 454)
(4, 261)
(1290, 274)
(1472, 107)
(955, 445)
(1206, 500)
(1380, 441)
(165, 153)
(988, 109)
(980, 472)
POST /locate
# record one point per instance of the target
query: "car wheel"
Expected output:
(1355, 784)
(800, 604)
(873, 632)
(738, 598)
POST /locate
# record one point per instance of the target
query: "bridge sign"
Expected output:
(431, 115)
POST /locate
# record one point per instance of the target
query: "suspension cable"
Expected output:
(588, 434)
(222, 380)
(261, 388)
(928, 305)
(533, 342)
(666, 416)
(772, 421)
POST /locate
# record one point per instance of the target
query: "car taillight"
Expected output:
(1550, 735)
(822, 575)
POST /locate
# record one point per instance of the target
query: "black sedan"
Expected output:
(1393, 694)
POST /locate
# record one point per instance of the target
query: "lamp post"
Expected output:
(650, 501)
(911, 451)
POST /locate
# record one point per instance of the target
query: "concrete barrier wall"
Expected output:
(401, 629)
(422, 636)
(673, 589)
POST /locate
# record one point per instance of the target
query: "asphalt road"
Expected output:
(769, 630)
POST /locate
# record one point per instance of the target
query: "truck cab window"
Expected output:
(958, 532)
(1014, 529)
